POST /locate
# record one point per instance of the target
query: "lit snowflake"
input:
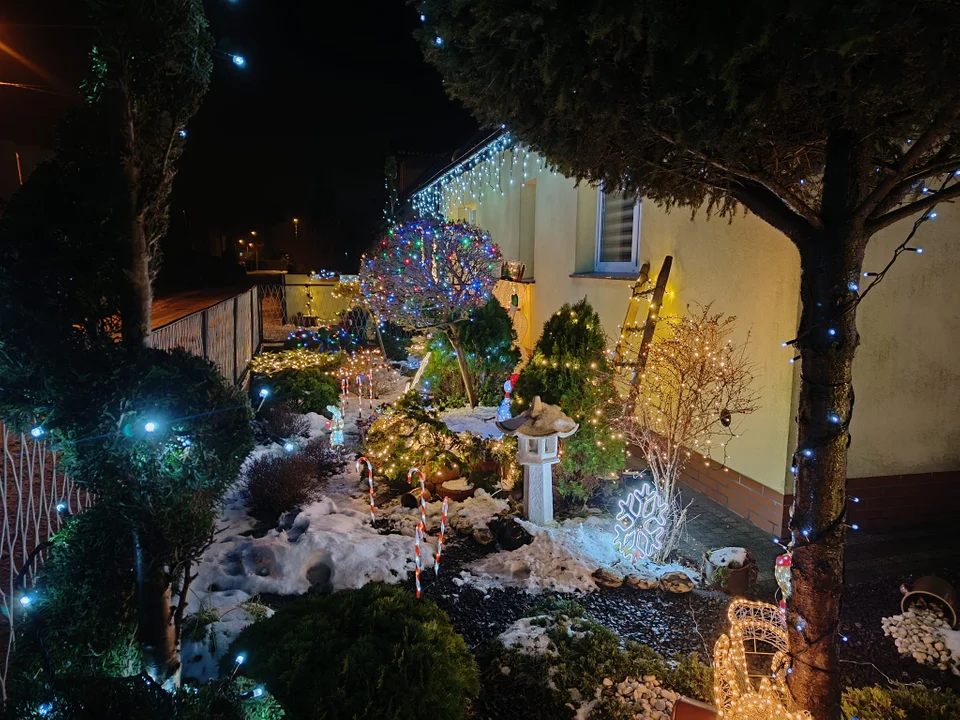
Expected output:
(641, 523)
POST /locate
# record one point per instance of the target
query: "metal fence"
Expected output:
(227, 333)
(286, 307)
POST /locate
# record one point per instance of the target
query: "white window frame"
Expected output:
(616, 267)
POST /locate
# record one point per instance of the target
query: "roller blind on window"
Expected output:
(617, 236)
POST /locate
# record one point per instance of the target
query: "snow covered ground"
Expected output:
(561, 558)
(479, 421)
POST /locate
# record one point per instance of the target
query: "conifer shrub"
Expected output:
(305, 390)
(570, 368)
(376, 652)
(900, 702)
(489, 341)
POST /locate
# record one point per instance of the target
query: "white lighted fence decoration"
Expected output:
(37, 497)
(740, 694)
(641, 523)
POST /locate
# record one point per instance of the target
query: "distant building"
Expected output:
(577, 241)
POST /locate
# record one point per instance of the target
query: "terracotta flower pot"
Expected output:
(687, 709)
(930, 588)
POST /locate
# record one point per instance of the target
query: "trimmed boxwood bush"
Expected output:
(377, 652)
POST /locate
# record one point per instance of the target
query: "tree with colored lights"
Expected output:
(829, 121)
(696, 384)
(429, 275)
(569, 368)
(151, 67)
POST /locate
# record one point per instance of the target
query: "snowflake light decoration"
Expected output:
(641, 523)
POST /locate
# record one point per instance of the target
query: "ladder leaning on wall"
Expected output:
(630, 353)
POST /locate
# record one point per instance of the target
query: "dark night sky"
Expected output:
(328, 91)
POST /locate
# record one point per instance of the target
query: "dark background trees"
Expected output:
(826, 120)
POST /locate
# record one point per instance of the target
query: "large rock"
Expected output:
(608, 578)
(642, 581)
(509, 533)
(676, 581)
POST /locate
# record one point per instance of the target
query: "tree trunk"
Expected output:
(453, 334)
(827, 341)
(158, 637)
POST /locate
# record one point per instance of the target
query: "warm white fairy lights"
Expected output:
(736, 694)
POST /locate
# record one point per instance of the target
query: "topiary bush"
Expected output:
(377, 652)
(900, 702)
(308, 390)
(569, 368)
(489, 341)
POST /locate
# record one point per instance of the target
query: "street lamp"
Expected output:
(296, 228)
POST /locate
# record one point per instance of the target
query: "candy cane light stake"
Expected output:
(421, 532)
(423, 493)
(369, 481)
(443, 526)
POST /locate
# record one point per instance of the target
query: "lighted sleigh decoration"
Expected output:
(749, 690)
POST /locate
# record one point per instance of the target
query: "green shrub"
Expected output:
(308, 390)
(377, 652)
(108, 698)
(489, 341)
(900, 702)
(569, 368)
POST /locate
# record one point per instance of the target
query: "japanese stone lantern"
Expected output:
(538, 430)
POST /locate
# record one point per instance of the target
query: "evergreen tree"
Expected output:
(569, 368)
(830, 121)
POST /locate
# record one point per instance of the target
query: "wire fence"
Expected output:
(228, 333)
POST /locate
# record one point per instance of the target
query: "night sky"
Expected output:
(328, 91)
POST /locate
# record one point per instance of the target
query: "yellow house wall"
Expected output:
(905, 376)
(907, 369)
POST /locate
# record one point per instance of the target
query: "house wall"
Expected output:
(905, 375)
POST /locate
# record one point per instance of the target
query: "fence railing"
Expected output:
(33, 486)
(227, 333)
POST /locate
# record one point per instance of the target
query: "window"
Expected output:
(618, 232)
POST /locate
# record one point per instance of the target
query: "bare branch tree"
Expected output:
(696, 385)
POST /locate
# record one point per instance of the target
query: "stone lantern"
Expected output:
(538, 431)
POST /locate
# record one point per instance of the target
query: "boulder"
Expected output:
(608, 578)
(676, 581)
(509, 533)
(641, 581)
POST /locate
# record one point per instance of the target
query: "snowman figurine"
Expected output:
(336, 426)
(503, 412)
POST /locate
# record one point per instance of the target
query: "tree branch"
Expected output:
(770, 207)
(905, 211)
(937, 129)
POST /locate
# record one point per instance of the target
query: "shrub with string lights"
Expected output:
(569, 368)
(695, 384)
(429, 275)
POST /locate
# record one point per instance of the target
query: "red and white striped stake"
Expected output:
(370, 386)
(443, 526)
(359, 398)
(421, 532)
(345, 392)
(369, 481)
(423, 493)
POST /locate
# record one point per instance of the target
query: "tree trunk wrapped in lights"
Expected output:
(429, 275)
(695, 385)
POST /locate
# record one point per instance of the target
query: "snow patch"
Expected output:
(726, 557)
(201, 657)
(458, 484)
(561, 558)
(479, 421)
